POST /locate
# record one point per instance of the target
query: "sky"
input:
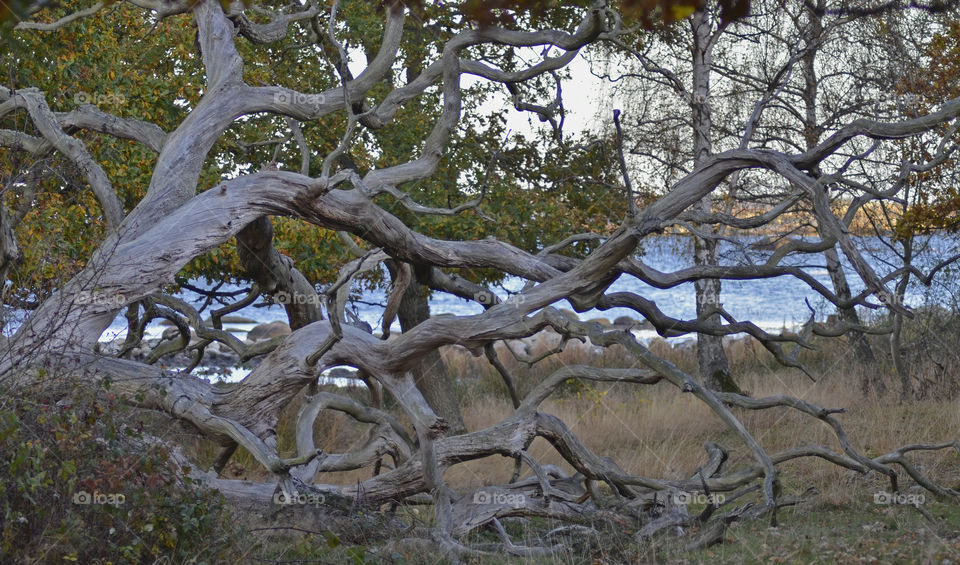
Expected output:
(583, 98)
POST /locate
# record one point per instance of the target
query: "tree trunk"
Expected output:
(276, 274)
(714, 367)
(906, 382)
(431, 374)
(870, 378)
(715, 371)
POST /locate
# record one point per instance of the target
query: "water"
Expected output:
(772, 304)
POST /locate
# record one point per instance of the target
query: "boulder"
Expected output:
(268, 331)
(237, 320)
(171, 333)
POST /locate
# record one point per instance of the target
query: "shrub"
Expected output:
(78, 484)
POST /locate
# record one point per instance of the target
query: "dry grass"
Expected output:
(657, 431)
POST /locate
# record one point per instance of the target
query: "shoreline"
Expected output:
(223, 362)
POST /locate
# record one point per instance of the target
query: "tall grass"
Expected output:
(658, 431)
(649, 430)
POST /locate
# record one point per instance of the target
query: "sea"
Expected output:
(773, 304)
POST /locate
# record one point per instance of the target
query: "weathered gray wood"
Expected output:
(179, 220)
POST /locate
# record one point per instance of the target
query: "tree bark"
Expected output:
(870, 378)
(275, 273)
(903, 372)
(431, 375)
(714, 367)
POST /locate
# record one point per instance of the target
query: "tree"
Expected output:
(261, 252)
(785, 82)
(928, 202)
(686, 83)
(191, 200)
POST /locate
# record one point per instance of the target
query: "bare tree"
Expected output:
(177, 220)
(786, 81)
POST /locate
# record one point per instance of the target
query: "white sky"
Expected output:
(583, 98)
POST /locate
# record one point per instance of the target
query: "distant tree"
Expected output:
(784, 81)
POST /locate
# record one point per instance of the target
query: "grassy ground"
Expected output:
(656, 431)
(659, 431)
(51, 451)
(820, 532)
(813, 532)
